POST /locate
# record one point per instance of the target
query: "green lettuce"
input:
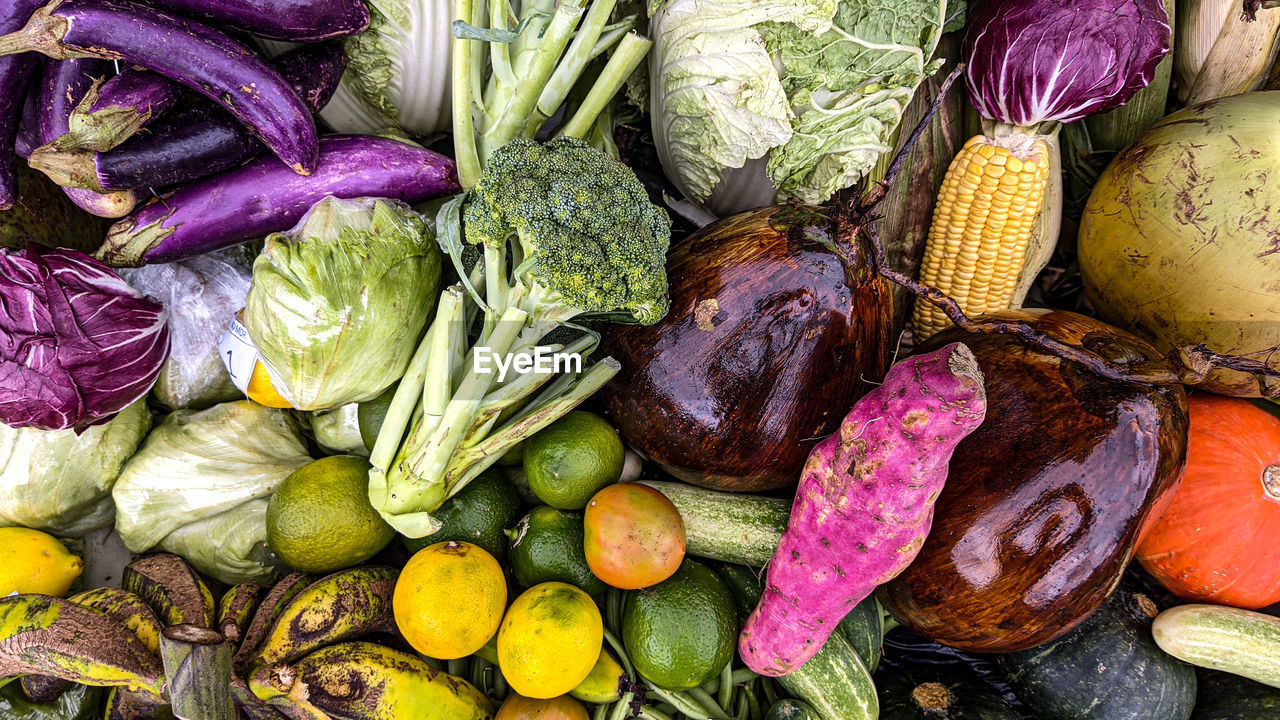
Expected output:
(338, 304)
(756, 102)
(198, 487)
(60, 482)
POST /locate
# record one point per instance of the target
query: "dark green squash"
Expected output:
(791, 709)
(1108, 668)
(939, 693)
(1222, 696)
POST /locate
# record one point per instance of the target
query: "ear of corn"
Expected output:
(983, 225)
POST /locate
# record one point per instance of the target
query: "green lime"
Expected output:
(320, 520)
(478, 514)
(572, 458)
(681, 632)
(546, 546)
(371, 413)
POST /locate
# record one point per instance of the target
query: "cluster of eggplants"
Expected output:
(113, 133)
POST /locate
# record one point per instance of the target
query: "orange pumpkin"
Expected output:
(519, 707)
(1219, 539)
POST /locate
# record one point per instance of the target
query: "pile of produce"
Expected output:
(670, 360)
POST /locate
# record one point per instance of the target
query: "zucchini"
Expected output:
(1241, 642)
(1223, 696)
(939, 693)
(835, 682)
(731, 527)
(1108, 668)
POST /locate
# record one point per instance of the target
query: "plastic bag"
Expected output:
(203, 294)
(191, 487)
(60, 482)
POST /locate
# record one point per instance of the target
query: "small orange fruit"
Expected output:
(634, 536)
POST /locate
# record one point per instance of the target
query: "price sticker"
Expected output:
(239, 354)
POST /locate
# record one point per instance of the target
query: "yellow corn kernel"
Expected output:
(982, 226)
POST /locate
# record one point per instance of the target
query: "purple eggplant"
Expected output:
(263, 197)
(28, 138)
(114, 110)
(206, 60)
(296, 20)
(196, 141)
(61, 87)
(15, 76)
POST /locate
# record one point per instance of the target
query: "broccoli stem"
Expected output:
(510, 120)
(621, 65)
(405, 399)
(429, 466)
(571, 67)
(464, 136)
(468, 463)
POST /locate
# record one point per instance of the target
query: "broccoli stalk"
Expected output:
(515, 63)
(567, 232)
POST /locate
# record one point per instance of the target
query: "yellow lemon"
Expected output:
(449, 599)
(549, 640)
(35, 562)
(261, 390)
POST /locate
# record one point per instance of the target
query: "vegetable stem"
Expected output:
(570, 68)
(512, 118)
(464, 135)
(621, 65)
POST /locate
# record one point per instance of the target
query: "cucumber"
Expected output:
(1241, 642)
(1222, 696)
(731, 527)
(1108, 668)
(864, 628)
(835, 683)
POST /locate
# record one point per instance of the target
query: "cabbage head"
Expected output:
(198, 487)
(338, 304)
(760, 101)
(60, 482)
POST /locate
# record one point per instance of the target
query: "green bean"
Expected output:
(726, 685)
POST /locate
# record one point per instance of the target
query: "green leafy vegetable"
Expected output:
(337, 304)
(812, 90)
(194, 485)
(60, 482)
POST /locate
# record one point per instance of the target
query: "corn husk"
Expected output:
(1220, 52)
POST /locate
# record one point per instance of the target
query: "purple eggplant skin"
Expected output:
(295, 20)
(28, 138)
(62, 86)
(15, 75)
(264, 196)
(199, 140)
(200, 57)
(117, 108)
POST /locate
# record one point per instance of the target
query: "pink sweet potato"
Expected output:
(864, 504)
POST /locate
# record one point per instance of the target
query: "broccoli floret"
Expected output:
(586, 236)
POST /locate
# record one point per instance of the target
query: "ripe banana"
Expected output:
(42, 635)
(337, 607)
(281, 595)
(126, 608)
(235, 611)
(366, 681)
(172, 589)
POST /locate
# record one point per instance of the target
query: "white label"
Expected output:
(238, 353)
